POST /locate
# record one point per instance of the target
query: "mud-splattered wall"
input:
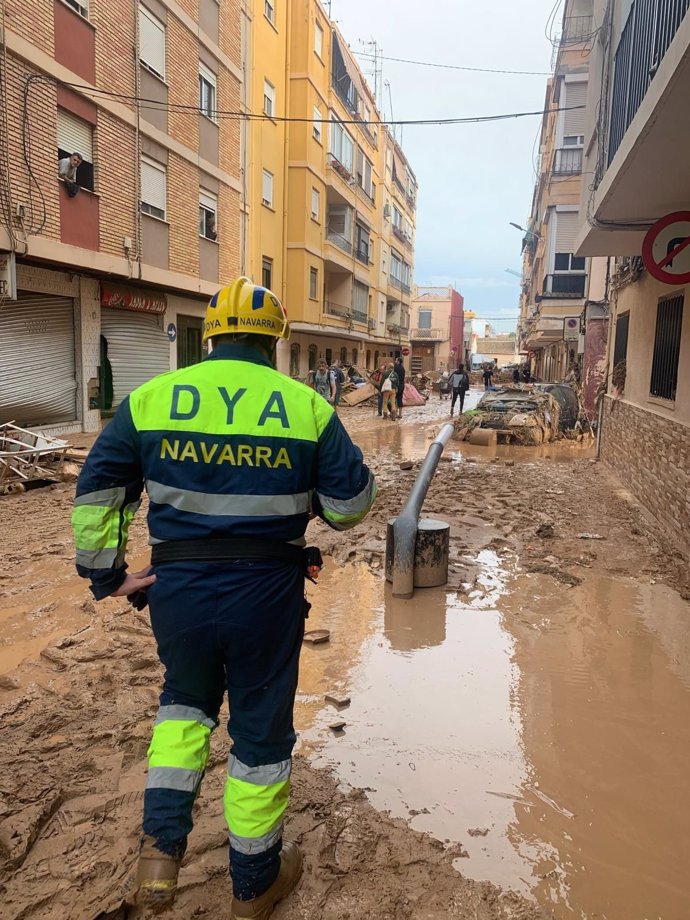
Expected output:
(594, 361)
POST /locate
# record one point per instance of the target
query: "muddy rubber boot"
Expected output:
(261, 908)
(156, 877)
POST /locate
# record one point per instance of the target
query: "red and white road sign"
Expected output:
(406, 351)
(666, 249)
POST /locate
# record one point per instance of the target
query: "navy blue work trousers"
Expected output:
(234, 627)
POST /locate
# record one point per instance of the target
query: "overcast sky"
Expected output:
(473, 179)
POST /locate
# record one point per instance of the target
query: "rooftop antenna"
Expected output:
(390, 100)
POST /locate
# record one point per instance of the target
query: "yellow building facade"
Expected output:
(331, 198)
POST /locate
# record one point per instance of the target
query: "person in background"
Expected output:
(324, 382)
(377, 382)
(516, 375)
(459, 384)
(526, 373)
(400, 391)
(339, 378)
(488, 375)
(67, 171)
(444, 386)
(388, 390)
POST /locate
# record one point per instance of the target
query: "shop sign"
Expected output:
(8, 276)
(137, 300)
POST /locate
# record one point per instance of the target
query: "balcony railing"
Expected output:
(400, 285)
(577, 30)
(359, 316)
(342, 170)
(567, 161)
(340, 241)
(570, 284)
(429, 334)
(336, 309)
(645, 39)
(362, 253)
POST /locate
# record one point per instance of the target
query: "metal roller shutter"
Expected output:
(138, 349)
(575, 95)
(38, 384)
(74, 135)
(567, 225)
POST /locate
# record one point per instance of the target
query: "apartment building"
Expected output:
(637, 122)
(563, 309)
(437, 334)
(331, 220)
(104, 288)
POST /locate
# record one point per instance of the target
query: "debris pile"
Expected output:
(519, 415)
(28, 459)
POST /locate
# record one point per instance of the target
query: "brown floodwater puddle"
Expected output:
(546, 731)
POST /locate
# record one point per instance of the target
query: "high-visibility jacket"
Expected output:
(229, 447)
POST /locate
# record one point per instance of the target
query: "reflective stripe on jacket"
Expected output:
(226, 448)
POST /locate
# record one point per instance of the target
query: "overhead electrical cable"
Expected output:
(438, 64)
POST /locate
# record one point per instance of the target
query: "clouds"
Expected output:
(473, 179)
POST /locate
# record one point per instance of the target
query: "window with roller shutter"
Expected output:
(151, 42)
(76, 136)
(153, 188)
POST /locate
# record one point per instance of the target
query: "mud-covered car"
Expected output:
(525, 414)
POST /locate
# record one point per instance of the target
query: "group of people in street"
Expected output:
(389, 381)
(328, 381)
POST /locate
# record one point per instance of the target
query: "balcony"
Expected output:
(359, 316)
(362, 254)
(338, 167)
(336, 309)
(402, 236)
(571, 285)
(339, 240)
(400, 285)
(427, 335)
(577, 30)
(646, 173)
(567, 161)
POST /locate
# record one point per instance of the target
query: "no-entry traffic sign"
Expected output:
(666, 249)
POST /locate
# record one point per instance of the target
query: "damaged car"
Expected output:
(526, 414)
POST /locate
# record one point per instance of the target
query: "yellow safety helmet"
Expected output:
(244, 308)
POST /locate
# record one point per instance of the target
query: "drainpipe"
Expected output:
(136, 256)
(405, 525)
(289, 12)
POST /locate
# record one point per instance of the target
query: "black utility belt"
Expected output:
(233, 549)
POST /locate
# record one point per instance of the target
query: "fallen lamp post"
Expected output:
(411, 541)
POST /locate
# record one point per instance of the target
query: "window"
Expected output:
(316, 129)
(267, 193)
(343, 355)
(315, 204)
(151, 42)
(267, 273)
(208, 208)
(269, 99)
(207, 92)
(313, 351)
(574, 140)
(397, 218)
(153, 188)
(318, 40)
(294, 359)
(425, 319)
(620, 348)
(75, 136)
(567, 262)
(669, 323)
(341, 145)
(354, 355)
(364, 173)
(314, 283)
(329, 356)
(80, 6)
(269, 11)
(363, 242)
(360, 299)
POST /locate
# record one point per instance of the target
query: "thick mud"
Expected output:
(526, 727)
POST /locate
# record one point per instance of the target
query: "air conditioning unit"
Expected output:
(372, 324)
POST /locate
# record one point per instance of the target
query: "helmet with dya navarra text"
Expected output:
(243, 308)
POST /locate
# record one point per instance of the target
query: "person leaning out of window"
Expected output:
(67, 171)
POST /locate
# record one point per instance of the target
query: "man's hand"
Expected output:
(135, 581)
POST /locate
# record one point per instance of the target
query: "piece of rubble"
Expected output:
(545, 531)
(470, 459)
(478, 831)
(337, 726)
(590, 536)
(510, 463)
(406, 464)
(317, 636)
(337, 700)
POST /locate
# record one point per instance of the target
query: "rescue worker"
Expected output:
(235, 458)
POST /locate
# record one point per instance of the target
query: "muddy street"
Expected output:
(515, 745)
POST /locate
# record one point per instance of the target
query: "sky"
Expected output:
(473, 179)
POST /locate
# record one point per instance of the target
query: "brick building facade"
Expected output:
(157, 224)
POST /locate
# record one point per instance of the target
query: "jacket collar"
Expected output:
(239, 351)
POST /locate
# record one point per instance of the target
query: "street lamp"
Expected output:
(523, 230)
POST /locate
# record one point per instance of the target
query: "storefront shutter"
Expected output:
(138, 349)
(567, 224)
(575, 95)
(74, 135)
(38, 383)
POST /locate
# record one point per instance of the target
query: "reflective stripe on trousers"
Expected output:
(255, 801)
